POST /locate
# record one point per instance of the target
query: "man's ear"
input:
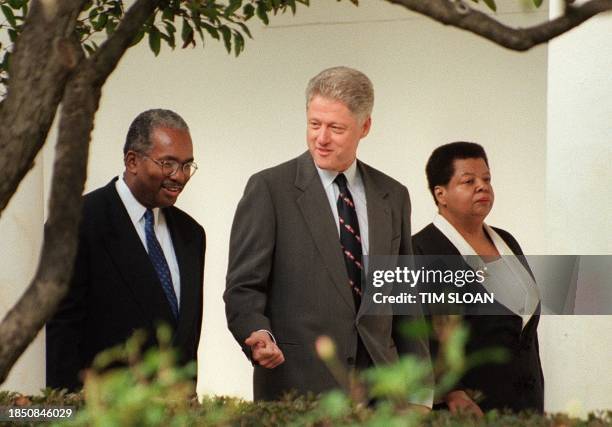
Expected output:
(365, 128)
(440, 193)
(130, 160)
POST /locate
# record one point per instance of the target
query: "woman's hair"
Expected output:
(440, 166)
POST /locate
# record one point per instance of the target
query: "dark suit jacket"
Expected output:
(517, 384)
(115, 290)
(287, 274)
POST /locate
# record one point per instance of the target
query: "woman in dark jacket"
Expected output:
(460, 181)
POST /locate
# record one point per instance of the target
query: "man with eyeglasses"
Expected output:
(140, 260)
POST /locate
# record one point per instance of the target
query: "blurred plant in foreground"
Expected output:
(128, 388)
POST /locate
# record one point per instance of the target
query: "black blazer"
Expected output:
(114, 289)
(517, 384)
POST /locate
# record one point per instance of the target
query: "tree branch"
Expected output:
(43, 58)
(106, 58)
(79, 105)
(22, 323)
(460, 15)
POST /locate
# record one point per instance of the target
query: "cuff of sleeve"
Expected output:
(425, 397)
(269, 333)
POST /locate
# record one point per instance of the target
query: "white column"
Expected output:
(576, 349)
(21, 228)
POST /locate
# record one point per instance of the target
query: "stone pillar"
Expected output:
(21, 228)
(576, 349)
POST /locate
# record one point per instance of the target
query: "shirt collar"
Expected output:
(461, 244)
(328, 176)
(453, 235)
(134, 208)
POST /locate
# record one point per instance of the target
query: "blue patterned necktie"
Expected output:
(159, 262)
(350, 239)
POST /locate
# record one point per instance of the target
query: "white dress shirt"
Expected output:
(136, 212)
(357, 189)
(506, 277)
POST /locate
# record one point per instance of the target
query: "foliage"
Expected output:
(181, 22)
(330, 410)
(152, 391)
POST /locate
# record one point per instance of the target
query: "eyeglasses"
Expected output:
(171, 167)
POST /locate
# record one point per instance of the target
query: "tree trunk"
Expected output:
(79, 104)
(27, 317)
(41, 63)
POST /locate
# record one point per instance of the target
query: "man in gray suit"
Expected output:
(297, 244)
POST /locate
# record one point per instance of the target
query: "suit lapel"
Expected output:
(380, 232)
(188, 262)
(379, 214)
(132, 261)
(315, 208)
(443, 246)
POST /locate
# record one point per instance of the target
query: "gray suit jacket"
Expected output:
(286, 274)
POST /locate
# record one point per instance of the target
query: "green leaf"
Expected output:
(234, 5)
(211, 30)
(292, 5)
(248, 11)
(262, 14)
(238, 43)
(154, 40)
(100, 23)
(12, 35)
(8, 13)
(227, 37)
(168, 15)
(200, 33)
(538, 3)
(245, 29)
(491, 4)
(211, 13)
(138, 37)
(170, 27)
(117, 9)
(110, 27)
(90, 50)
(186, 33)
(16, 4)
(6, 61)
(168, 38)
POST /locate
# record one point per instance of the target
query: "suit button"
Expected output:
(350, 360)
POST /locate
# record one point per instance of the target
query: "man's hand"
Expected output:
(263, 350)
(459, 401)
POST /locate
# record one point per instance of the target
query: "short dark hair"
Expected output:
(139, 135)
(440, 166)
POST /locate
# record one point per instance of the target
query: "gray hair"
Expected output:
(351, 87)
(139, 135)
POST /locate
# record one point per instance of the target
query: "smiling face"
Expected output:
(468, 196)
(144, 176)
(333, 133)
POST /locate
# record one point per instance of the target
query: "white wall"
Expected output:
(433, 85)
